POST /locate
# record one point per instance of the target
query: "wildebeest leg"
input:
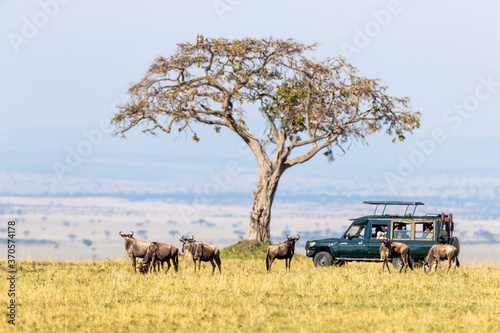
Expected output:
(151, 265)
(194, 260)
(156, 265)
(199, 265)
(213, 266)
(404, 258)
(168, 263)
(176, 263)
(290, 263)
(133, 263)
(270, 264)
(385, 263)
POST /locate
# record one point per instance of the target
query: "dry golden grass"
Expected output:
(106, 296)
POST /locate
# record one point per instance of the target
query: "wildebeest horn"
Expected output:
(192, 237)
(298, 236)
(120, 233)
(287, 236)
(132, 234)
(182, 239)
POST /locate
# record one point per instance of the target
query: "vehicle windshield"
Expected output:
(355, 231)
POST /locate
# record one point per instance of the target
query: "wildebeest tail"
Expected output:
(217, 257)
(410, 262)
(267, 260)
(175, 260)
(457, 262)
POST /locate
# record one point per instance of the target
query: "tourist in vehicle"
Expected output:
(382, 233)
(428, 232)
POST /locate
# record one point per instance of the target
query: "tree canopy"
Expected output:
(306, 103)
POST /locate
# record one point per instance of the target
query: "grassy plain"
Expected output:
(106, 296)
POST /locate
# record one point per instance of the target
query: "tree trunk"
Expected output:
(260, 219)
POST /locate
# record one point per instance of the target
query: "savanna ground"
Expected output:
(107, 296)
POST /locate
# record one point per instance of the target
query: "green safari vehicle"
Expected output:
(361, 241)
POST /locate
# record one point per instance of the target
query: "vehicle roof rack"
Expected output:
(394, 203)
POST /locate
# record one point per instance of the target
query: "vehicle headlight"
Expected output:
(312, 244)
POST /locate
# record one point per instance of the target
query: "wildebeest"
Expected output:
(159, 252)
(390, 250)
(143, 268)
(283, 250)
(438, 252)
(201, 252)
(134, 248)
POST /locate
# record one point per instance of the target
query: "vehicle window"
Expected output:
(401, 230)
(379, 231)
(355, 231)
(424, 230)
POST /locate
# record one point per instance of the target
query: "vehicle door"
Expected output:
(378, 230)
(424, 238)
(401, 232)
(353, 243)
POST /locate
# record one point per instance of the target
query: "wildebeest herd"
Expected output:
(438, 252)
(155, 254)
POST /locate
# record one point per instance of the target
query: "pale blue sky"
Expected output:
(64, 64)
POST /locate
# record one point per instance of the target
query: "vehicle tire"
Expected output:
(323, 259)
(397, 263)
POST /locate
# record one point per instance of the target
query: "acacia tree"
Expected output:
(308, 105)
